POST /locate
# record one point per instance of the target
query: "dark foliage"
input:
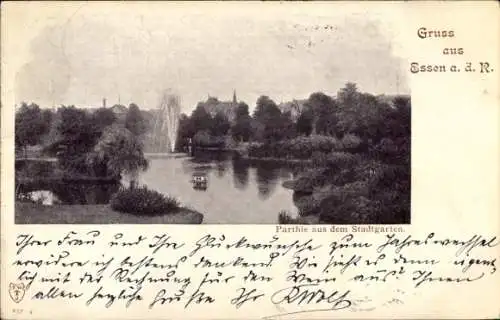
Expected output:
(143, 201)
(305, 123)
(134, 120)
(220, 125)
(31, 123)
(298, 148)
(362, 171)
(242, 128)
(78, 135)
(285, 218)
(103, 117)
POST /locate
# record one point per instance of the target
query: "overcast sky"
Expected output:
(86, 55)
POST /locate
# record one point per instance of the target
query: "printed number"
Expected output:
(19, 311)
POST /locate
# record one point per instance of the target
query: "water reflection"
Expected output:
(240, 173)
(221, 169)
(55, 192)
(266, 178)
(238, 190)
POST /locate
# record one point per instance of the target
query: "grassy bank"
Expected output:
(29, 213)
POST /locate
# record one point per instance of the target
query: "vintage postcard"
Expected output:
(250, 160)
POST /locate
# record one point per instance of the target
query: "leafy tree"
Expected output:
(203, 138)
(134, 121)
(257, 130)
(402, 102)
(327, 118)
(120, 151)
(348, 94)
(269, 115)
(149, 119)
(242, 110)
(185, 132)
(72, 122)
(305, 123)
(30, 125)
(286, 126)
(47, 119)
(103, 117)
(242, 128)
(220, 124)
(266, 110)
(397, 127)
(51, 118)
(201, 120)
(322, 109)
(272, 131)
(78, 134)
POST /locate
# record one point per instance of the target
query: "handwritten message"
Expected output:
(280, 272)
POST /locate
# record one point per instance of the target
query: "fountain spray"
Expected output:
(170, 110)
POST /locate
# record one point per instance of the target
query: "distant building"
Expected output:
(228, 108)
(119, 110)
(295, 107)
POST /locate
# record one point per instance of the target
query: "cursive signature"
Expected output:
(311, 294)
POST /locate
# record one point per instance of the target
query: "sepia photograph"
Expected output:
(180, 117)
(249, 160)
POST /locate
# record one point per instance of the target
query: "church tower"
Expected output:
(235, 101)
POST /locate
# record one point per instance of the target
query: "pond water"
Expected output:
(238, 191)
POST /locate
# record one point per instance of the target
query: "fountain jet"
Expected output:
(168, 120)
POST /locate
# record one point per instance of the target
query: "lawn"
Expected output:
(30, 213)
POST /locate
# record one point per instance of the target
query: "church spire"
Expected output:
(235, 101)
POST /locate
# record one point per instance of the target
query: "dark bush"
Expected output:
(346, 209)
(307, 180)
(351, 142)
(285, 218)
(340, 160)
(298, 148)
(319, 159)
(204, 139)
(34, 168)
(143, 201)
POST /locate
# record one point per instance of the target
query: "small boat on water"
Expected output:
(200, 180)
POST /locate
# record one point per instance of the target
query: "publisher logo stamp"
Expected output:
(16, 291)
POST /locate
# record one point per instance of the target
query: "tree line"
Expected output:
(363, 115)
(87, 143)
